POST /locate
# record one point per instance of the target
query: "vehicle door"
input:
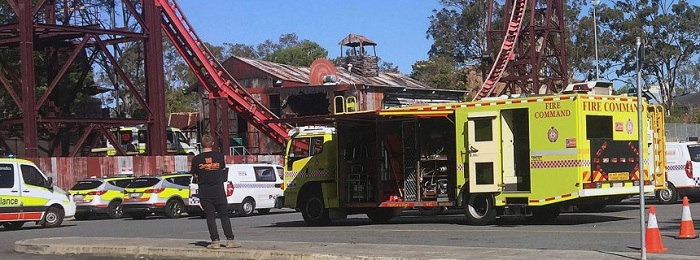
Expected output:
(36, 192)
(10, 195)
(483, 145)
(264, 188)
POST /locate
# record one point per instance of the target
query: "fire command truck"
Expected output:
(528, 156)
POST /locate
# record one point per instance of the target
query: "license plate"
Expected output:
(616, 184)
(135, 195)
(618, 176)
(78, 198)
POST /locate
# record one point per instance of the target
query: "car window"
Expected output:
(264, 174)
(694, 151)
(182, 181)
(120, 183)
(280, 172)
(7, 176)
(86, 185)
(32, 176)
(143, 182)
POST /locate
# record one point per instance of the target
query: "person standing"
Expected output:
(208, 169)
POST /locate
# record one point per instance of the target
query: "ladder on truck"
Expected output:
(507, 50)
(212, 75)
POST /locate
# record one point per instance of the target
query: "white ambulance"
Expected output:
(683, 171)
(249, 187)
(26, 194)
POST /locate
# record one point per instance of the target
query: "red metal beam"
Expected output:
(10, 88)
(110, 137)
(93, 29)
(13, 5)
(130, 6)
(38, 6)
(26, 49)
(125, 78)
(81, 140)
(155, 84)
(62, 72)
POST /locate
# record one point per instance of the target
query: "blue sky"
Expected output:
(397, 26)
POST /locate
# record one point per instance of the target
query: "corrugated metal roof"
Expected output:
(301, 74)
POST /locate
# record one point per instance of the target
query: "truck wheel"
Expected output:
(383, 215)
(668, 195)
(314, 211)
(173, 209)
(544, 213)
(247, 207)
(13, 225)
(114, 209)
(430, 211)
(263, 211)
(480, 209)
(52, 218)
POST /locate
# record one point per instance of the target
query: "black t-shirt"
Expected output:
(209, 170)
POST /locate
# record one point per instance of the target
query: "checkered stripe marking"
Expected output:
(559, 164)
(679, 167)
(315, 173)
(697, 181)
(254, 185)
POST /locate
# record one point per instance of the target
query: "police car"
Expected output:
(99, 196)
(164, 194)
(27, 195)
(683, 171)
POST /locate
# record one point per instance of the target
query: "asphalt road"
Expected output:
(615, 229)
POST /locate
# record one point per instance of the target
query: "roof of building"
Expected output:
(690, 99)
(301, 74)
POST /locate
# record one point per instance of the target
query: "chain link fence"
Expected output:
(677, 132)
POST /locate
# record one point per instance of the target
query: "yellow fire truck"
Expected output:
(527, 156)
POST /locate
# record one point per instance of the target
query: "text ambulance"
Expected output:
(502, 157)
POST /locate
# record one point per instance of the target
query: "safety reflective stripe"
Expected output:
(540, 201)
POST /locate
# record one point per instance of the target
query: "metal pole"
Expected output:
(595, 38)
(640, 136)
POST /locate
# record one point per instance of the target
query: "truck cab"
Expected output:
(133, 141)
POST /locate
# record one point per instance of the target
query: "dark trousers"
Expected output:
(212, 207)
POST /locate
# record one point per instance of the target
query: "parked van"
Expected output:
(26, 194)
(683, 171)
(248, 187)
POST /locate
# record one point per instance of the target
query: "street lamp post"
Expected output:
(595, 39)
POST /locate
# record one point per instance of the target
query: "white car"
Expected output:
(249, 187)
(682, 171)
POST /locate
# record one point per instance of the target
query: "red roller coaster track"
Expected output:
(506, 52)
(213, 76)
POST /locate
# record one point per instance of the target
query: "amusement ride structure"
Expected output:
(530, 60)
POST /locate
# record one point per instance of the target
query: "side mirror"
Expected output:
(49, 183)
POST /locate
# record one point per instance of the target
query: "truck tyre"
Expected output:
(383, 215)
(314, 211)
(13, 225)
(480, 209)
(668, 195)
(114, 209)
(247, 207)
(52, 218)
(173, 209)
(544, 213)
(430, 211)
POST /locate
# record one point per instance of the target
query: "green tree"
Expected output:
(301, 54)
(670, 35)
(439, 72)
